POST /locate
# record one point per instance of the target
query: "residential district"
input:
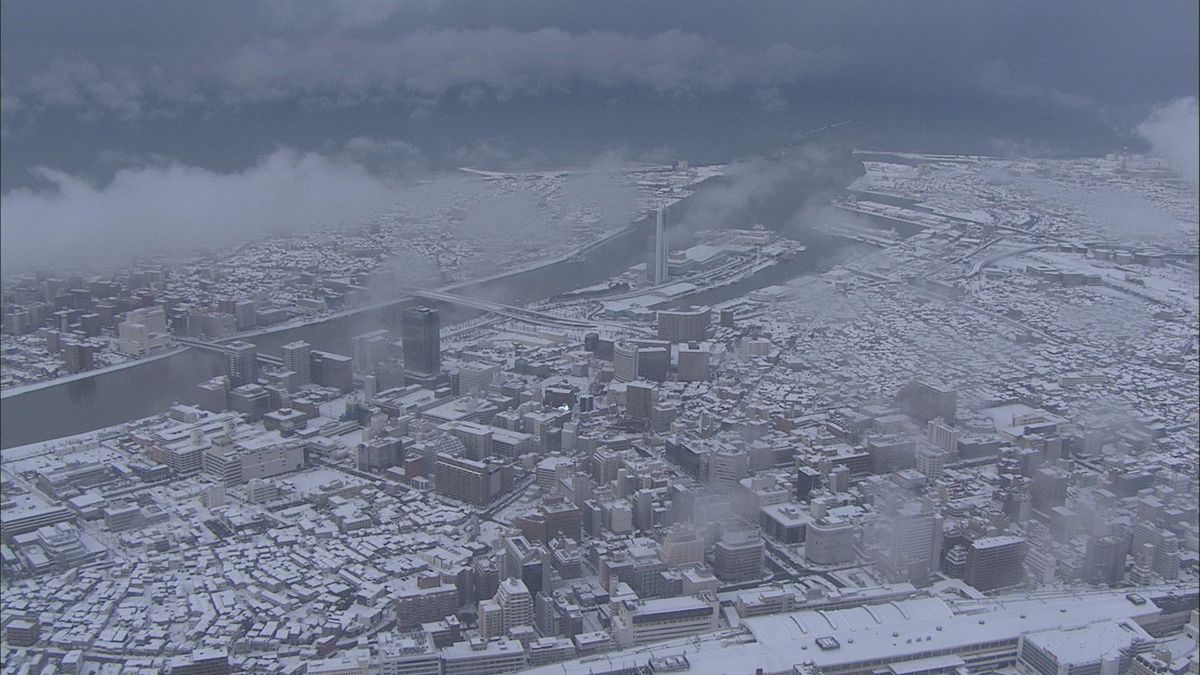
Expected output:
(972, 448)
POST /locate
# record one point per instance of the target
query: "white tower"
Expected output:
(661, 247)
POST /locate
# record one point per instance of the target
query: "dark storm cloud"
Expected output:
(133, 58)
(132, 124)
(506, 61)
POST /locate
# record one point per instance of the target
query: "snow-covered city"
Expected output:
(459, 338)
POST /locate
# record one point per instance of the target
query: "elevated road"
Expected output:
(979, 265)
(216, 347)
(522, 313)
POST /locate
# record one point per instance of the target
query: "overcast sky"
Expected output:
(106, 101)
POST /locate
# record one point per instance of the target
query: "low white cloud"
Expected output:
(344, 16)
(771, 99)
(1172, 130)
(497, 154)
(750, 182)
(995, 77)
(75, 81)
(175, 208)
(383, 155)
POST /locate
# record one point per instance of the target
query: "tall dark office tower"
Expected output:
(241, 363)
(422, 339)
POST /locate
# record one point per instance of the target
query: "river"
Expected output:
(151, 387)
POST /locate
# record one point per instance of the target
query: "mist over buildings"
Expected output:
(347, 337)
(172, 209)
(321, 108)
(1172, 130)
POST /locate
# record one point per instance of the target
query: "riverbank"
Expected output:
(87, 374)
(72, 443)
(106, 397)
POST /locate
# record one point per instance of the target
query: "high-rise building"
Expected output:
(241, 363)
(942, 435)
(930, 462)
(682, 545)
(213, 395)
(22, 632)
(491, 619)
(625, 362)
(605, 462)
(995, 562)
(1143, 564)
(554, 516)
(477, 438)
(829, 541)
(726, 467)
(369, 349)
(913, 544)
(808, 478)
(1104, 561)
(476, 483)
(217, 325)
(19, 322)
(78, 354)
(891, 454)
(421, 337)
(1165, 561)
(389, 374)
(380, 453)
(245, 314)
(297, 357)
(1049, 488)
(684, 325)
(925, 400)
(739, 552)
(654, 362)
(640, 398)
(694, 362)
(252, 400)
(516, 603)
(662, 247)
(332, 370)
(430, 601)
(143, 330)
(474, 377)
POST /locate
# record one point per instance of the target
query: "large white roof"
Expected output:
(891, 632)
